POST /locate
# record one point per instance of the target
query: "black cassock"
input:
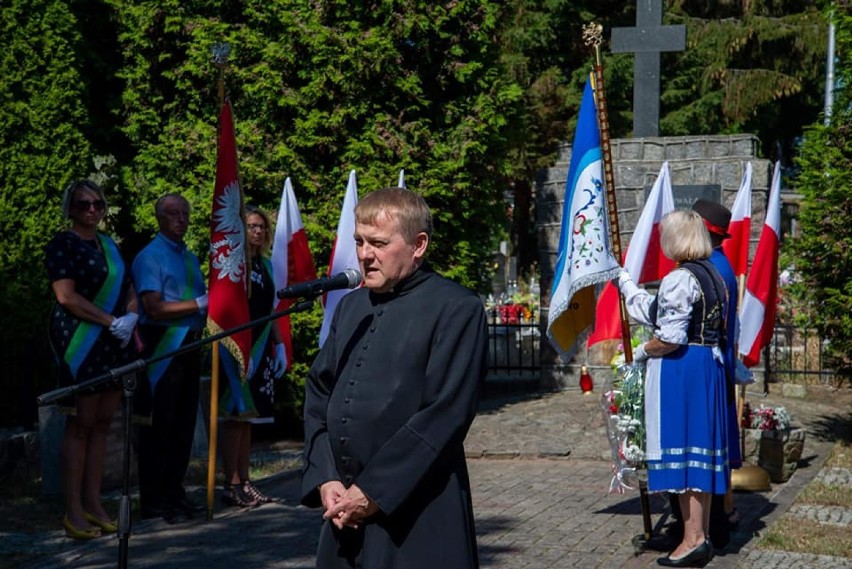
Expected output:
(389, 401)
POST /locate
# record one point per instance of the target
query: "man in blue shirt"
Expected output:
(173, 304)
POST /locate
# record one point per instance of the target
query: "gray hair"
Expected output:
(683, 236)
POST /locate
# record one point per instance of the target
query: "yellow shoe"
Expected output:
(106, 527)
(82, 534)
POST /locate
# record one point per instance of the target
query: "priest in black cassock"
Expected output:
(389, 401)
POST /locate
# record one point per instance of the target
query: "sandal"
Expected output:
(106, 527)
(252, 490)
(79, 534)
(236, 495)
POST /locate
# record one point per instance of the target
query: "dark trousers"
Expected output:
(165, 445)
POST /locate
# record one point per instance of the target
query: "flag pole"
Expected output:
(593, 37)
(220, 59)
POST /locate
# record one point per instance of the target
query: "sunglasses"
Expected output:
(84, 205)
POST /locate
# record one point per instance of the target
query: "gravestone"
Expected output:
(647, 40)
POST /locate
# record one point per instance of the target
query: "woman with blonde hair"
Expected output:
(90, 329)
(245, 403)
(685, 399)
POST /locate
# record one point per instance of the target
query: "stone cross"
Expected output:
(647, 40)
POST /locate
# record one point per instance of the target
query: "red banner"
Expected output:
(228, 304)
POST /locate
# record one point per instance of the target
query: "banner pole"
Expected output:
(220, 59)
(593, 36)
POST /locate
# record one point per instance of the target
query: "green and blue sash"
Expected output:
(86, 333)
(174, 336)
(237, 398)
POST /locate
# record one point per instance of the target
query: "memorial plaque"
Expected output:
(686, 195)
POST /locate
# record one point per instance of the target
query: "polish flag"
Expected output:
(228, 301)
(644, 259)
(757, 313)
(737, 245)
(343, 255)
(291, 259)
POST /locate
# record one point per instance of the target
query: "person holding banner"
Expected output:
(244, 403)
(173, 299)
(389, 400)
(685, 391)
(90, 329)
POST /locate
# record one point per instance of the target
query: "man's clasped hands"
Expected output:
(345, 507)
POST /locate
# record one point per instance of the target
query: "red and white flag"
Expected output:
(227, 300)
(343, 255)
(737, 245)
(645, 260)
(757, 314)
(291, 259)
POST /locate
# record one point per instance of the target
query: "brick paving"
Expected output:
(540, 472)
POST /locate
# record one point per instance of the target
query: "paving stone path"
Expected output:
(540, 471)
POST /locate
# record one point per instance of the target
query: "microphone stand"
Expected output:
(127, 374)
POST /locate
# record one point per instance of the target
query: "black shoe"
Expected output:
(698, 557)
(188, 507)
(151, 512)
(169, 514)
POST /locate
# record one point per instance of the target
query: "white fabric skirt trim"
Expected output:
(653, 447)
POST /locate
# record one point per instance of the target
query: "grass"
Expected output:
(791, 533)
(797, 534)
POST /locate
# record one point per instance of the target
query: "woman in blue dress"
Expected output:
(685, 400)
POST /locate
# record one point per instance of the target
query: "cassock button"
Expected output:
(358, 363)
(343, 419)
(351, 382)
(348, 478)
(364, 347)
(346, 400)
(372, 328)
(345, 459)
(343, 440)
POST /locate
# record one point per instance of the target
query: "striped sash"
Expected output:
(174, 336)
(86, 333)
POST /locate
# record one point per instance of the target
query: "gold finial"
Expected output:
(593, 34)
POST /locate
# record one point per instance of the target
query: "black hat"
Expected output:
(716, 216)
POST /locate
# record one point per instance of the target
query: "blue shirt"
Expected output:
(167, 267)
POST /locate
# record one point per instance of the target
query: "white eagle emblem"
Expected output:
(227, 255)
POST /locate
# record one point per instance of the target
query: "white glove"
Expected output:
(201, 301)
(639, 354)
(625, 284)
(279, 366)
(122, 327)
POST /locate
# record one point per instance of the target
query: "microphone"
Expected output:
(350, 278)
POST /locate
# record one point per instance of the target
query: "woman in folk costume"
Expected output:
(685, 399)
(252, 401)
(90, 329)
